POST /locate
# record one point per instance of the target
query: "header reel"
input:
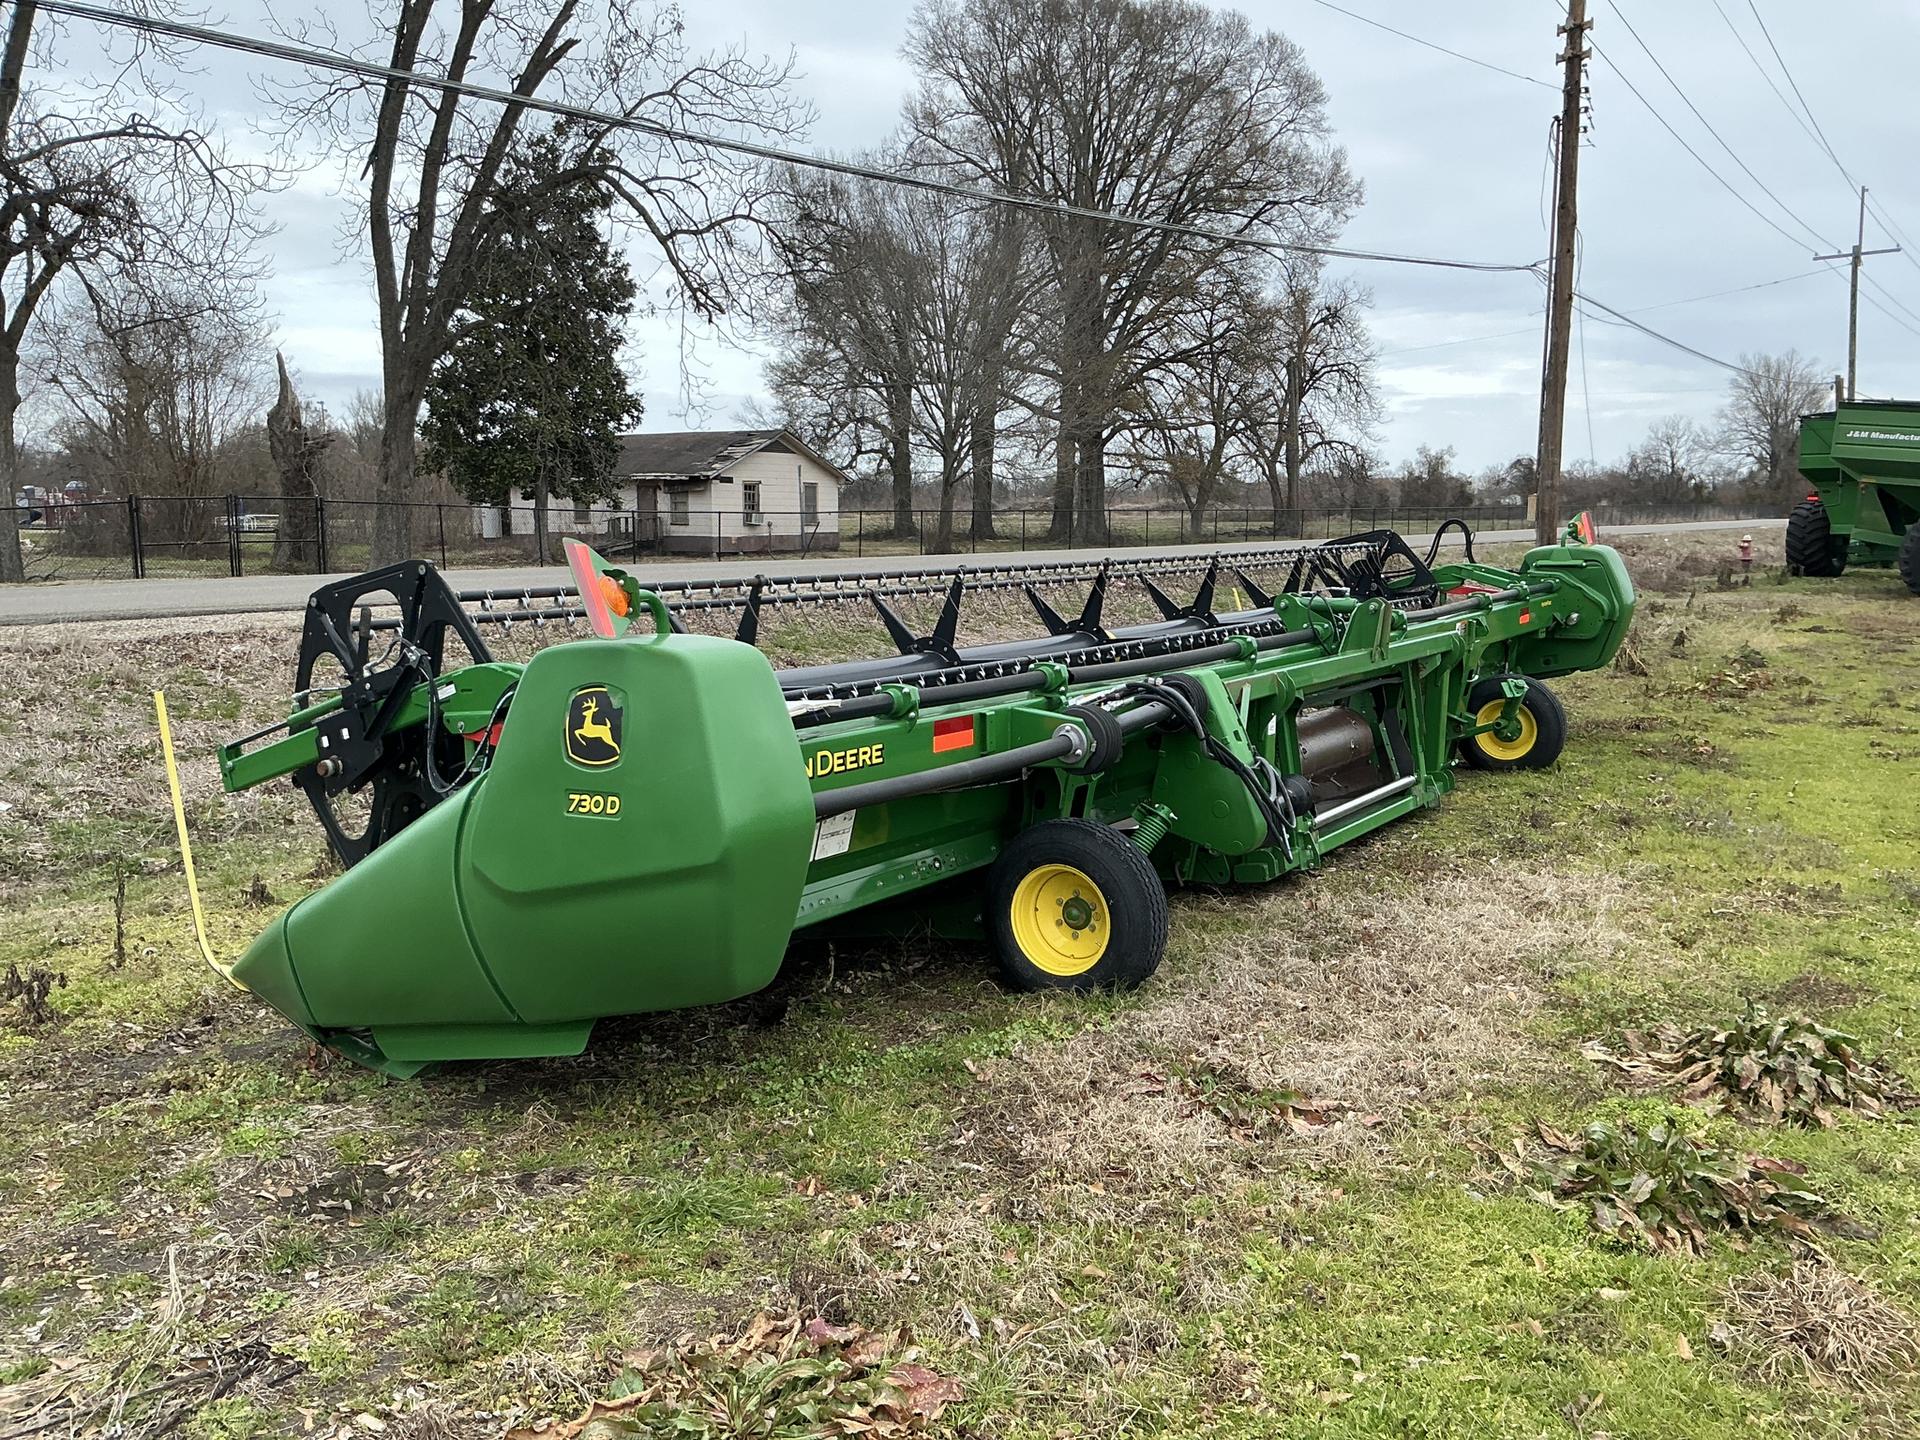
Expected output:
(352, 681)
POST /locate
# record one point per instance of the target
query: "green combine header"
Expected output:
(1862, 460)
(646, 819)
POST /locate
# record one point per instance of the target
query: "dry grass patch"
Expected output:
(1326, 1008)
(1821, 1321)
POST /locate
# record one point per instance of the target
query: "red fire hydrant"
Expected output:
(1746, 555)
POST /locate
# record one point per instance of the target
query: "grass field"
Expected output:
(1261, 1197)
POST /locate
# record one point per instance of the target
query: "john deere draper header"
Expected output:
(645, 819)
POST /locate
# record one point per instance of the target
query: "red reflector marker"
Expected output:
(953, 734)
(1525, 616)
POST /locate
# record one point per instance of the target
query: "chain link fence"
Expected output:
(146, 536)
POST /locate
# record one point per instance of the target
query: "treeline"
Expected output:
(1202, 357)
(922, 333)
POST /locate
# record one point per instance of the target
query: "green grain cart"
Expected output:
(1863, 462)
(646, 819)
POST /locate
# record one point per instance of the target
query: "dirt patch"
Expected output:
(1808, 991)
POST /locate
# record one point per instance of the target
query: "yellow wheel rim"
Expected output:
(1493, 746)
(1060, 920)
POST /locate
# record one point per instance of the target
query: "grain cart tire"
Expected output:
(1810, 543)
(1073, 905)
(1910, 558)
(1543, 728)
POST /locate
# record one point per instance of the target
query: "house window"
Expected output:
(583, 512)
(750, 499)
(810, 502)
(678, 507)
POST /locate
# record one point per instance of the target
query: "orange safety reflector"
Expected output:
(953, 734)
(615, 593)
(1814, 496)
(1525, 616)
(586, 580)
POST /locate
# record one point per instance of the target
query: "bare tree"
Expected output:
(1192, 414)
(1311, 391)
(848, 332)
(1760, 422)
(1170, 112)
(426, 165)
(97, 176)
(152, 376)
(1429, 481)
(1666, 467)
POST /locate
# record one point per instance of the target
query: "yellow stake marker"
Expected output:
(186, 845)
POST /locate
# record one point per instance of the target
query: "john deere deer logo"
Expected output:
(593, 727)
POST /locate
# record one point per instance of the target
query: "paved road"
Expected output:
(73, 601)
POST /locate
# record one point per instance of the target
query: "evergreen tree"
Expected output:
(531, 393)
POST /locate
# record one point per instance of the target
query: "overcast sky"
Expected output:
(1453, 159)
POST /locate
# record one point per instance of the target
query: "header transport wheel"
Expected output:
(1542, 730)
(1073, 905)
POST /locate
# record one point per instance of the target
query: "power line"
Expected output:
(1779, 94)
(1635, 310)
(352, 65)
(1431, 45)
(1586, 393)
(1687, 100)
(1736, 290)
(1727, 184)
(1623, 318)
(1780, 60)
(1875, 207)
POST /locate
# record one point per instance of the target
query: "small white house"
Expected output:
(706, 492)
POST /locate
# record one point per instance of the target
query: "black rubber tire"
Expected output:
(1135, 904)
(1910, 557)
(1812, 547)
(1549, 726)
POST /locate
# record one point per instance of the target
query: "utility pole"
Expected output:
(1566, 219)
(1853, 290)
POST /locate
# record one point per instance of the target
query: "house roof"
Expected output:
(703, 454)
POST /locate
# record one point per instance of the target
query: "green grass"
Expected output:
(1035, 1186)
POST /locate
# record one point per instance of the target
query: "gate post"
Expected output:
(136, 549)
(233, 536)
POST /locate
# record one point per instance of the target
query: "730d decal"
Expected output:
(591, 802)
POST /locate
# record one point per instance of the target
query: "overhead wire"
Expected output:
(1727, 184)
(314, 57)
(1432, 45)
(1809, 127)
(1875, 207)
(1703, 162)
(1621, 317)
(1781, 61)
(1732, 154)
(317, 58)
